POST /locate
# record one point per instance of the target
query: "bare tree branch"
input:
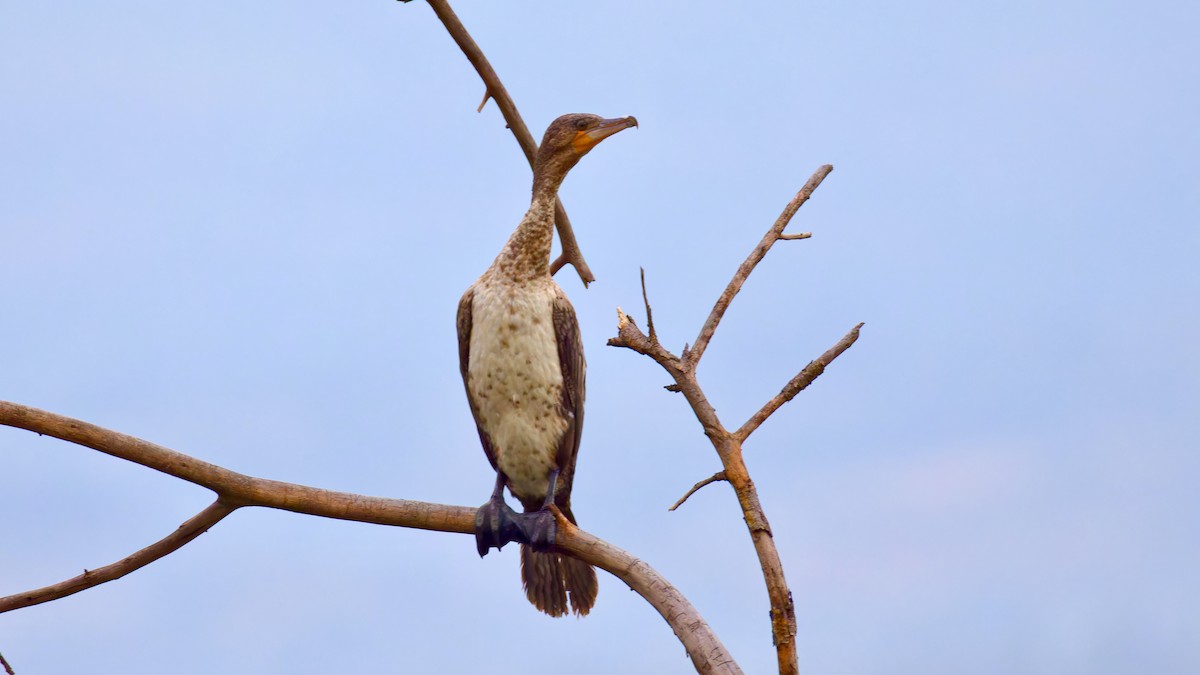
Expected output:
(496, 91)
(718, 476)
(729, 445)
(665, 598)
(797, 384)
(194, 527)
(783, 613)
(236, 490)
(649, 313)
(7, 668)
(743, 272)
(632, 337)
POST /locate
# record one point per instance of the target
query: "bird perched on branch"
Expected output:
(522, 364)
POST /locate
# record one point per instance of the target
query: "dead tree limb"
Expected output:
(797, 384)
(729, 444)
(735, 284)
(194, 527)
(235, 490)
(716, 477)
(497, 92)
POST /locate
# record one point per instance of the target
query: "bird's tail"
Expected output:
(549, 578)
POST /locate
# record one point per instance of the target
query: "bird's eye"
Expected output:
(581, 124)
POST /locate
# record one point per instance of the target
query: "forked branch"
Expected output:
(235, 490)
(735, 284)
(729, 444)
(496, 91)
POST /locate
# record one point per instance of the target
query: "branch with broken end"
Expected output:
(797, 384)
(496, 91)
(235, 490)
(728, 445)
(632, 337)
(743, 272)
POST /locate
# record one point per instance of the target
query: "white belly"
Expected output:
(516, 381)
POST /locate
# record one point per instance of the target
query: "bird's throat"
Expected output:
(527, 253)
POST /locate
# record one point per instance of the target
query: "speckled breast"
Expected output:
(515, 378)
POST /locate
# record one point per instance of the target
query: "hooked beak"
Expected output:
(586, 140)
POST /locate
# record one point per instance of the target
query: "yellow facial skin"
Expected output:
(587, 139)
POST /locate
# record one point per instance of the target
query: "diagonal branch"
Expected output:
(797, 384)
(756, 256)
(236, 490)
(718, 476)
(496, 91)
(194, 527)
(646, 582)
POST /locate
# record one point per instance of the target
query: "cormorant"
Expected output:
(523, 368)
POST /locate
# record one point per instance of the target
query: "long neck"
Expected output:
(527, 254)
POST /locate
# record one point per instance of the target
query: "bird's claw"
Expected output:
(540, 528)
(496, 524)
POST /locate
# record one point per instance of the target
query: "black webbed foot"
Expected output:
(496, 524)
(539, 528)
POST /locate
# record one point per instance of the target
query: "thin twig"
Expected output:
(718, 476)
(797, 384)
(194, 527)
(238, 490)
(495, 89)
(7, 668)
(649, 314)
(790, 237)
(739, 278)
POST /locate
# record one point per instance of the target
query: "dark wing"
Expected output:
(570, 359)
(464, 358)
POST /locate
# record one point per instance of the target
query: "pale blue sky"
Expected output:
(240, 230)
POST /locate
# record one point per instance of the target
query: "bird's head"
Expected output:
(569, 138)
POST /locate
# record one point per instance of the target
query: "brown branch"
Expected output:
(632, 337)
(648, 583)
(797, 384)
(194, 527)
(649, 313)
(7, 668)
(718, 476)
(729, 445)
(743, 272)
(783, 614)
(237, 490)
(495, 89)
